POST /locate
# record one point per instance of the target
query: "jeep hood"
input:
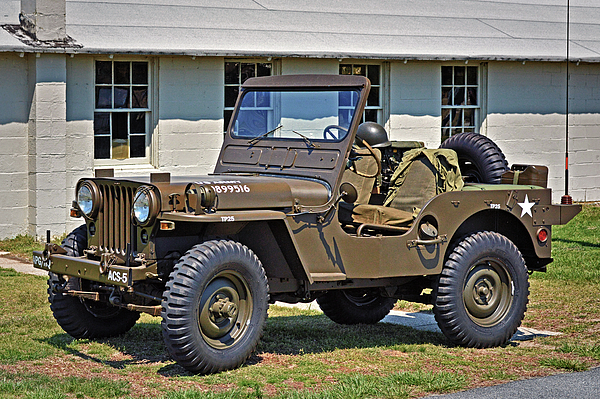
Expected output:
(247, 192)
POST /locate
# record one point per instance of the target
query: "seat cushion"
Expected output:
(374, 214)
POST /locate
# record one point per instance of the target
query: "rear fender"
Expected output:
(509, 226)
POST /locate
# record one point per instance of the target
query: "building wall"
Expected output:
(190, 111)
(14, 114)
(526, 118)
(415, 98)
(47, 105)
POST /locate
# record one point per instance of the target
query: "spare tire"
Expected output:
(479, 158)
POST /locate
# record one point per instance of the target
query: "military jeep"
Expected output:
(305, 203)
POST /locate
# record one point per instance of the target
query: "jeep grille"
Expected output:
(114, 220)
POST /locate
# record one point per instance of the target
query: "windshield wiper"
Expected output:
(260, 137)
(306, 139)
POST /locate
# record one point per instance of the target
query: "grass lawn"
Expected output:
(303, 354)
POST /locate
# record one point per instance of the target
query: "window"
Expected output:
(374, 109)
(122, 110)
(237, 73)
(460, 100)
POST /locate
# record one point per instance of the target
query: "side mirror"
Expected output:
(348, 193)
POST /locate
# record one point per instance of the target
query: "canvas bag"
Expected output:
(421, 175)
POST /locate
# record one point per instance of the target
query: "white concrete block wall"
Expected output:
(14, 114)
(415, 95)
(80, 126)
(190, 129)
(47, 145)
(526, 118)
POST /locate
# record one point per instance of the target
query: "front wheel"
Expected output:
(355, 306)
(214, 307)
(481, 295)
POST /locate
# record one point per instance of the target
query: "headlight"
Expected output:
(145, 205)
(88, 198)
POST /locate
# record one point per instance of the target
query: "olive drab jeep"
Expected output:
(305, 203)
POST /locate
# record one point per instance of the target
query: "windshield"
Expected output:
(303, 115)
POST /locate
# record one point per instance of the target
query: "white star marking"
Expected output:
(526, 206)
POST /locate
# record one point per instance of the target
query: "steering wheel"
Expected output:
(327, 131)
(377, 161)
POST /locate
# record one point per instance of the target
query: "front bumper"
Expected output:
(118, 275)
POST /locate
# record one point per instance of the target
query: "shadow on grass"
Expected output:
(143, 344)
(582, 243)
(284, 335)
(290, 335)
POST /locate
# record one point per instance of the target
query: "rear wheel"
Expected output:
(84, 318)
(479, 158)
(355, 306)
(215, 306)
(481, 296)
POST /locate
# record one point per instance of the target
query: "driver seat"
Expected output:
(361, 211)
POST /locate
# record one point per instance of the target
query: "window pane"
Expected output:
(119, 125)
(231, 94)
(457, 117)
(469, 117)
(232, 72)
(446, 75)
(140, 97)
(370, 115)
(103, 97)
(263, 69)
(373, 74)
(373, 99)
(140, 72)
(263, 99)
(445, 134)
(459, 96)
(445, 118)
(103, 72)
(345, 98)
(122, 72)
(121, 97)
(138, 146)
(137, 122)
(248, 100)
(359, 70)
(459, 75)
(446, 95)
(345, 117)
(247, 72)
(120, 149)
(345, 69)
(472, 96)
(471, 75)
(102, 147)
(101, 123)
(251, 122)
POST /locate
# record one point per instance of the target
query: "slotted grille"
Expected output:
(114, 230)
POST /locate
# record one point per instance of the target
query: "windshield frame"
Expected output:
(294, 157)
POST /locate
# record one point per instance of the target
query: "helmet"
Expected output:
(373, 133)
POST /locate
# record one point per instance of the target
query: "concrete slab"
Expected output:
(7, 262)
(425, 321)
